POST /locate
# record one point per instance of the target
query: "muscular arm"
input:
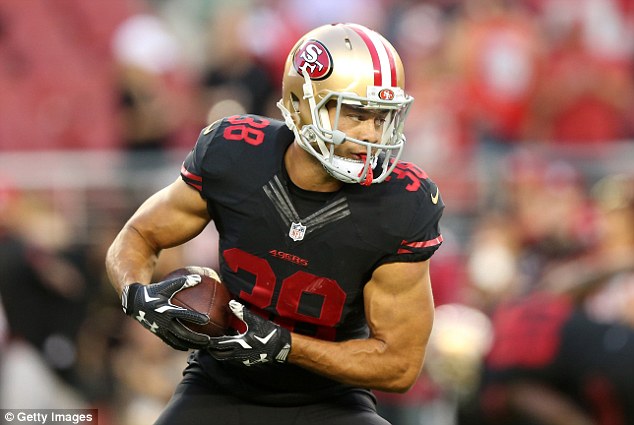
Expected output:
(168, 218)
(399, 309)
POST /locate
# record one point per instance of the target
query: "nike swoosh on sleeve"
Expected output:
(434, 198)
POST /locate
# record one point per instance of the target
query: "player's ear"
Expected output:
(294, 103)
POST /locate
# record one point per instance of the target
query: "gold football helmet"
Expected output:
(345, 64)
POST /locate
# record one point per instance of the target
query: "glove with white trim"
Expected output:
(262, 342)
(151, 305)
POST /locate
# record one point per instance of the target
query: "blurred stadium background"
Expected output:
(524, 116)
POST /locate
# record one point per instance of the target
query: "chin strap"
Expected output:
(368, 178)
(369, 175)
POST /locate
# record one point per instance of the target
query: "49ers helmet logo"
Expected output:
(386, 94)
(313, 58)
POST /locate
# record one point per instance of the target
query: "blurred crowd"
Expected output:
(523, 115)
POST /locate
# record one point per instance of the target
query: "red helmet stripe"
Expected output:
(373, 54)
(382, 58)
(390, 58)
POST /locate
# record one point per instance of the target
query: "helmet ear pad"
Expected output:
(294, 108)
(300, 110)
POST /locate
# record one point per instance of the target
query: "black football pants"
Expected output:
(195, 403)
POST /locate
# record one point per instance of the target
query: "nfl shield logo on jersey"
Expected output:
(297, 232)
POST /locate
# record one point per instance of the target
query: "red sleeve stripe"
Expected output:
(191, 179)
(189, 175)
(382, 59)
(418, 245)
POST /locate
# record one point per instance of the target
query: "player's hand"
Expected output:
(262, 342)
(151, 306)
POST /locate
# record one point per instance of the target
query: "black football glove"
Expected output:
(262, 342)
(151, 306)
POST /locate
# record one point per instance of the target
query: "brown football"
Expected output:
(209, 297)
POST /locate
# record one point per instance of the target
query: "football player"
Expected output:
(325, 242)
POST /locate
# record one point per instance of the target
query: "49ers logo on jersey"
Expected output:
(314, 59)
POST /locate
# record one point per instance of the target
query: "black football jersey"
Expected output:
(301, 258)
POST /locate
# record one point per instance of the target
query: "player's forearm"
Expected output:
(367, 363)
(129, 259)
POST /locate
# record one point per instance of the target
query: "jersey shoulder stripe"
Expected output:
(410, 247)
(191, 179)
